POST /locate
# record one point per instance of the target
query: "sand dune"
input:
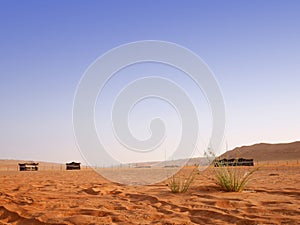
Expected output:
(84, 197)
(9, 164)
(267, 152)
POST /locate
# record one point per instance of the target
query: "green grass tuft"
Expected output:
(232, 178)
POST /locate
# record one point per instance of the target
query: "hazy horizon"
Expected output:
(251, 47)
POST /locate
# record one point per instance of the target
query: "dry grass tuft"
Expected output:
(180, 184)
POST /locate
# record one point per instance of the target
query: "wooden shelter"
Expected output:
(73, 166)
(28, 166)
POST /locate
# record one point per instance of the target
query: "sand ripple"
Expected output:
(83, 197)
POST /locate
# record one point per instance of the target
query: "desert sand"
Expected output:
(267, 152)
(84, 197)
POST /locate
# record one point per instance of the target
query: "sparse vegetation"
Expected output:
(231, 178)
(180, 184)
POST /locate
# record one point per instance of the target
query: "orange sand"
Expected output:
(83, 197)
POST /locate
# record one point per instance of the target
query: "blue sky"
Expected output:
(45, 46)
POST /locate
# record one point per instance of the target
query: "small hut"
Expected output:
(28, 166)
(73, 166)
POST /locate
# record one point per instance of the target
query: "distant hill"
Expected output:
(258, 152)
(266, 152)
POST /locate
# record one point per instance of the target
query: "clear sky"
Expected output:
(252, 47)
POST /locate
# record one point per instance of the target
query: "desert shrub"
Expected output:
(232, 178)
(180, 184)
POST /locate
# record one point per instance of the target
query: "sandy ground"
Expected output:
(83, 197)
